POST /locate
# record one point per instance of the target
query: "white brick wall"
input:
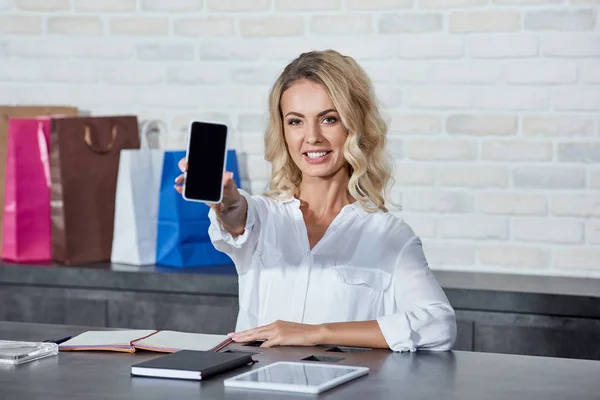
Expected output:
(493, 105)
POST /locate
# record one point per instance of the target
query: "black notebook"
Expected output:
(190, 364)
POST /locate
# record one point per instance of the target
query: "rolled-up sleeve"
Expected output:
(241, 247)
(424, 318)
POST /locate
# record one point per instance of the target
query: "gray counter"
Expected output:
(421, 375)
(535, 315)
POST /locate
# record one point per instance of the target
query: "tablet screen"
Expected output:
(296, 374)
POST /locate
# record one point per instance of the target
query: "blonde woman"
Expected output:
(319, 257)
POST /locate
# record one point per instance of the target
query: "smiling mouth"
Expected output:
(314, 155)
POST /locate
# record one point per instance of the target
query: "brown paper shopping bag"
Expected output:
(84, 162)
(7, 112)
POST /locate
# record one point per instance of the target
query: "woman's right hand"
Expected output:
(232, 209)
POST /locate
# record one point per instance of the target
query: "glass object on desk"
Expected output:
(15, 352)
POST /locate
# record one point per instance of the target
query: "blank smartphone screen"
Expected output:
(206, 161)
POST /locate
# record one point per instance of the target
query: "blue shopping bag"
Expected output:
(182, 237)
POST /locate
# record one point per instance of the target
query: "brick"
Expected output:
(526, 2)
(255, 75)
(548, 177)
(503, 46)
(368, 48)
(516, 150)
(280, 26)
(3, 49)
(440, 201)
(19, 71)
(514, 256)
(466, 72)
(405, 72)
(481, 125)
(484, 21)
(542, 72)
(470, 177)
(431, 46)
(204, 27)
(229, 50)
(423, 225)
(590, 71)
(20, 25)
(577, 98)
(571, 45)
(147, 26)
(38, 47)
(576, 205)
(577, 258)
(415, 124)
(92, 95)
(133, 74)
(439, 98)
(102, 48)
(395, 147)
(594, 178)
(181, 122)
(105, 5)
(414, 174)
(307, 5)
(342, 24)
(36, 94)
(258, 168)
(579, 152)
(544, 230)
(514, 98)
(389, 96)
(252, 123)
(475, 228)
(172, 5)
(213, 97)
(449, 254)
(6, 5)
(89, 26)
(441, 149)
(512, 204)
(560, 20)
(377, 5)
(165, 52)
(71, 72)
(238, 5)
(43, 5)
(410, 23)
(592, 232)
(253, 144)
(557, 126)
(424, 4)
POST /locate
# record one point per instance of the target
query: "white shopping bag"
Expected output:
(137, 198)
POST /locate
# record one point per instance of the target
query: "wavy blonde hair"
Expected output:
(352, 94)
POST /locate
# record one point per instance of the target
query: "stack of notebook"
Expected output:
(153, 340)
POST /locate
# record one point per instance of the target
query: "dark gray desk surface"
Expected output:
(421, 375)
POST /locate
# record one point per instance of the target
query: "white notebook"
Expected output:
(152, 340)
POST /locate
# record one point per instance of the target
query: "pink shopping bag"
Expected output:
(27, 228)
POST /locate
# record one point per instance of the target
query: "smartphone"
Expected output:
(206, 158)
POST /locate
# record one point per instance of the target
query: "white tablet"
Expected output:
(296, 377)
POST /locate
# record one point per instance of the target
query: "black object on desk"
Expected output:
(59, 340)
(189, 364)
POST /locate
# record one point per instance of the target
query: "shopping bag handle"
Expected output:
(87, 137)
(149, 126)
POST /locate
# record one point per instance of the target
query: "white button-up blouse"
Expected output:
(367, 266)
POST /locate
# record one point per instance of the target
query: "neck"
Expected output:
(325, 195)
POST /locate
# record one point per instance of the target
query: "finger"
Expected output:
(227, 177)
(275, 341)
(179, 180)
(179, 189)
(182, 165)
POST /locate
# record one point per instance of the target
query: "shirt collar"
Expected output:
(356, 207)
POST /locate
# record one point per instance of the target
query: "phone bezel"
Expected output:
(189, 139)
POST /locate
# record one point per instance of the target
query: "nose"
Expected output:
(313, 134)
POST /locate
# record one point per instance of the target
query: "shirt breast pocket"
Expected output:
(360, 289)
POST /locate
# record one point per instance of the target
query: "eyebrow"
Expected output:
(318, 115)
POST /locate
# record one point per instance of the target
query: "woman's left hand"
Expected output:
(281, 333)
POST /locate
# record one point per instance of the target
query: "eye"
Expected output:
(329, 120)
(294, 121)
